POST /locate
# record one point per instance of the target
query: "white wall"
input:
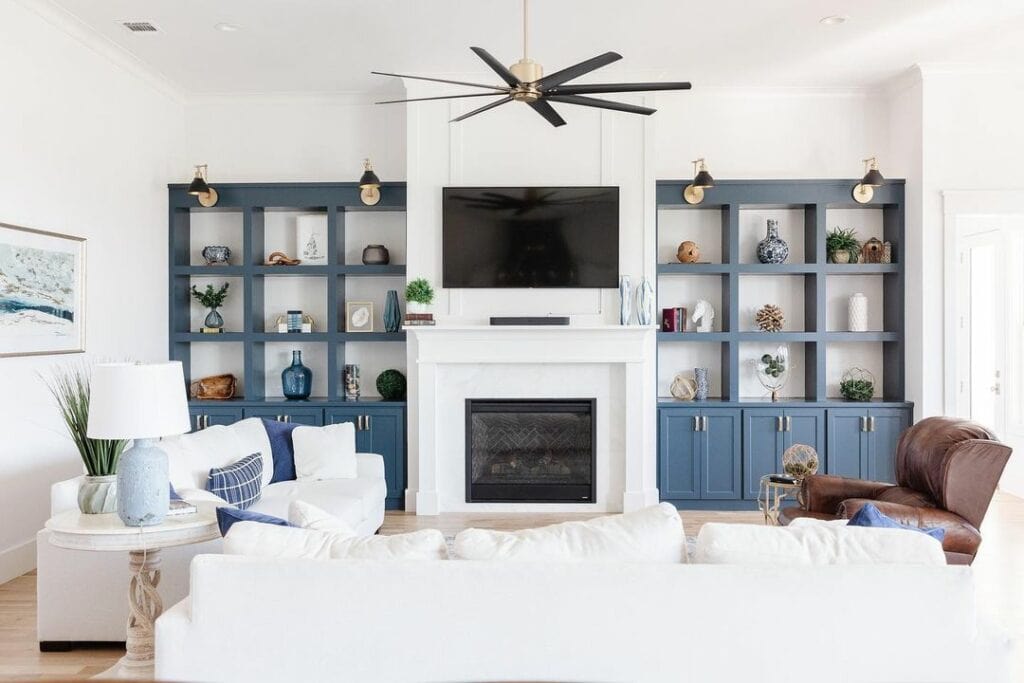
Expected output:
(87, 150)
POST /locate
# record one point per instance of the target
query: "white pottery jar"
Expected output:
(858, 313)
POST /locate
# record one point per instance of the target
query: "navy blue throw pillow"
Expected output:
(174, 494)
(240, 484)
(227, 516)
(871, 516)
(281, 449)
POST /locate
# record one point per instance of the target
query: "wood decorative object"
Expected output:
(688, 252)
(873, 251)
(279, 258)
(769, 318)
(215, 388)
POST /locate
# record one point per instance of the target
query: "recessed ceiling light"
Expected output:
(834, 20)
(226, 28)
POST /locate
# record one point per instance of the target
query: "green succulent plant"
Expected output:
(842, 240)
(419, 291)
(857, 389)
(773, 366)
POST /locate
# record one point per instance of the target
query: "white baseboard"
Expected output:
(17, 560)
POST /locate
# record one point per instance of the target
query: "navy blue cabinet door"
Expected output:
(847, 442)
(720, 442)
(355, 416)
(678, 454)
(806, 427)
(203, 417)
(762, 447)
(313, 417)
(887, 424)
(386, 431)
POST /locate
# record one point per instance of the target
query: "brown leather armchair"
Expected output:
(947, 470)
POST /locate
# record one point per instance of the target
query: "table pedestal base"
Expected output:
(145, 606)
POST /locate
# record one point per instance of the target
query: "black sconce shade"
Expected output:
(703, 179)
(198, 186)
(873, 178)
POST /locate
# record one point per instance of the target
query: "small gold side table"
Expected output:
(771, 494)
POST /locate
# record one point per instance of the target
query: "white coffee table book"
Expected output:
(107, 533)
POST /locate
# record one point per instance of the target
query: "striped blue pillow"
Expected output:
(240, 484)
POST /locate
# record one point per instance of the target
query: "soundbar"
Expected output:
(530, 320)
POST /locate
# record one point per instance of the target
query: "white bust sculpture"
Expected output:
(704, 316)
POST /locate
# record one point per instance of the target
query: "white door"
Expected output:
(982, 329)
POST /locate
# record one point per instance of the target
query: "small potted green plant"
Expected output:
(98, 492)
(212, 299)
(857, 384)
(419, 295)
(842, 245)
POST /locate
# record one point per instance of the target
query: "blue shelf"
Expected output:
(291, 270)
(371, 336)
(694, 336)
(861, 268)
(289, 337)
(693, 268)
(199, 337)
(209, 271)
(373, 271)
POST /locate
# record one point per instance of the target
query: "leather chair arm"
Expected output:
(961, 537)
(824, 492)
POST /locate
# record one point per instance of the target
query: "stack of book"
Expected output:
(673, 319)
(413, 319)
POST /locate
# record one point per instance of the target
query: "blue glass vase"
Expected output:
(297, 379)
(392, 313)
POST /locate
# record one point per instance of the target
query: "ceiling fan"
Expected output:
(525, 82)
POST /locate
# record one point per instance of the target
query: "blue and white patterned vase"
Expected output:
(297, 379)
(645, 302)
(625, 300)
(700, 378)
(772, 249)
(392, 313)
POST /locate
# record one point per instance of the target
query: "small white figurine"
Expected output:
(703, 316)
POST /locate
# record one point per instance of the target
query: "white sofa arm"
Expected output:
(64, 495)
(369, 466)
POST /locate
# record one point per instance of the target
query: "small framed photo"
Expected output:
(311, 239)
(359, 316)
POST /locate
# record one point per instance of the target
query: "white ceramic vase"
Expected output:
(858, 313)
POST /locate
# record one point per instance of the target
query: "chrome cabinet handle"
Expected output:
(366, 421)
(871, 423)
(287, 418)
(206, 420)
(863, 423)
(789, 423)
(778, 423)
(199, 422)
(704, 423)
(359, 423)
(696, 423)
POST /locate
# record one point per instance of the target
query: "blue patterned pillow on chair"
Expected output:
(240, 484)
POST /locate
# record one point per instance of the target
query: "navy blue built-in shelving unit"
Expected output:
(381, 425)
(712, 454)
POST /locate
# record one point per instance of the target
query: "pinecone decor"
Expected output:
(769, 318)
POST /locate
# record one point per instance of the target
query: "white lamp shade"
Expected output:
(137, 401)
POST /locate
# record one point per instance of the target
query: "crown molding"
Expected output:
(68, 23)
(336, 98)
(902, 81)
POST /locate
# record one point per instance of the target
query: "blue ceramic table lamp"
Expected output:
(142, 402)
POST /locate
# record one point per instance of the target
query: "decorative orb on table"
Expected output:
(800, 460)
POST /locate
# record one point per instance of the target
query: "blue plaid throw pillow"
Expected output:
(240, 484)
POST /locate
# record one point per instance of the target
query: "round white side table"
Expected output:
(77, 531)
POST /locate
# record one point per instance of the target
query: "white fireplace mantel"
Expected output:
(433, 349)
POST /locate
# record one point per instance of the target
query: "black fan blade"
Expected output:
(614, 87)
(548, 112)
(601, 104)
(577, 70)
(499, 88)
(441, 97)
(482, 109)
(498, 67)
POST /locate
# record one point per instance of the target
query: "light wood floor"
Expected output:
(999, 571)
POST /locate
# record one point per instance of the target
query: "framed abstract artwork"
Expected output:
(42, 292)
(359, 316)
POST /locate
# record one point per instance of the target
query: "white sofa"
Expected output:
(264, 619)
(67, 614)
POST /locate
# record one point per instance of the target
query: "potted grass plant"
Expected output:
(419, 295)
(842, 245)
(98, 492)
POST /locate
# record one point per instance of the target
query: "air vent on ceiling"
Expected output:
(139, 26)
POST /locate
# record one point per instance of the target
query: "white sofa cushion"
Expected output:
(265, 540)
(814, 544)
(654, 534)
(306, 516)
(327, 452)
(191, 456)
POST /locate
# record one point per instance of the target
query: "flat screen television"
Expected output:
(530, 237)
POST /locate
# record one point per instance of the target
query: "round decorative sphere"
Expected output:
(683, 388)
(391, 385)
(688, 252)
(800, 460)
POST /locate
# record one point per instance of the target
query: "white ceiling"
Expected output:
(332, 45)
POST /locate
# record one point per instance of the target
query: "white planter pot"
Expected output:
(415, 307)
(98, 495)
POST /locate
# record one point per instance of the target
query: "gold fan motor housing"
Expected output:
(527, 70)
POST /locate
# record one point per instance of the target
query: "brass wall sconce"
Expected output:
(369, 185)
(702, 180)
(864, 191)
(199, 188)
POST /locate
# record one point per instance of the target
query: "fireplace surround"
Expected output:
(530, 450)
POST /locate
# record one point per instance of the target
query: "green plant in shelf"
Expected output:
(419, 291)
(857, 385)
(211, 298)
(842, 245)
(773, 366)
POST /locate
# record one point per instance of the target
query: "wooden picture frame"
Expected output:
(359, 316)
(42, 292)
